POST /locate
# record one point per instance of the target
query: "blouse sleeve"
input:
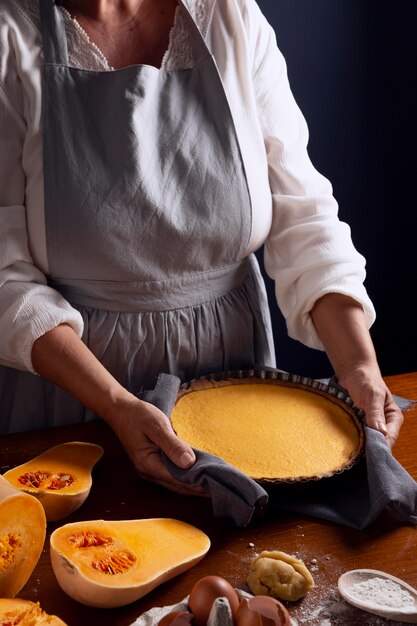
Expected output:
(28, 307)
(309, 251)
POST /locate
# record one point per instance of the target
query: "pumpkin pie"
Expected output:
(271, 429)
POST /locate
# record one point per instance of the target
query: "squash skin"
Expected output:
(74, 459)
(29, 613)
(160, 548)
(22, 537)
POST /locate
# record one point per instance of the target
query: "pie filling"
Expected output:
(270, 431)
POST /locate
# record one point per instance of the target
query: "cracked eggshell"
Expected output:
(176, 618)
(262, 611)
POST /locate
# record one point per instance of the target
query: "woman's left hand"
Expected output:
(368, 391)
(341, 325)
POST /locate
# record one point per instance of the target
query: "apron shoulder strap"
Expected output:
(53, 33)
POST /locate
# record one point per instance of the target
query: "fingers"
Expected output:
(163, 436)
(153, 469)
(173, 485)
(182, 489)
(375, 415)
(382, 414)
(144, 432)
(369, 392)
(394, 421)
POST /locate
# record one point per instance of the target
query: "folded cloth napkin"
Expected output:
(232, 493)
(353, 498)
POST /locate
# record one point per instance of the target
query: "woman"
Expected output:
(147, 150)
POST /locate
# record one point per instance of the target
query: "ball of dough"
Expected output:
(280, 575)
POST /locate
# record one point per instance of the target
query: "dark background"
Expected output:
(352, 66)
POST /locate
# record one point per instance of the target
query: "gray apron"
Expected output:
(148, 218)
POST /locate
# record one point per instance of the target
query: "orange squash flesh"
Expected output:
(22, 536)
(17, 612)
(59, 477)
(112, 563)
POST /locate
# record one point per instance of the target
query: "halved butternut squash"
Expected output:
(22, 536)
(112, 563)
(59, 477)
(17, 612)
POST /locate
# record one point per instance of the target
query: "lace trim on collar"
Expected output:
(85, 54)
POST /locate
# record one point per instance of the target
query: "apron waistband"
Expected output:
(163, 295)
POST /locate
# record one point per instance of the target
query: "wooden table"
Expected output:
(327, 549)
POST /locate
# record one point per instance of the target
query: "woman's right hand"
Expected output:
(60, 356)
(144, 431)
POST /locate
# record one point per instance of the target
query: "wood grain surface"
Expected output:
(327, 549)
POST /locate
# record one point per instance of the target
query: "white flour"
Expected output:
(383, 592)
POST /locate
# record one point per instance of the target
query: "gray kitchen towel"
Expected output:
(232, 493)
(358, 496)
(353, 498)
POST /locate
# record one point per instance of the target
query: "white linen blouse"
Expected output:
(308, 250)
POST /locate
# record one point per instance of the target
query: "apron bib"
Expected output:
(148, 217)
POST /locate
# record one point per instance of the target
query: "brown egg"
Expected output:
(176, 618)
(262, 611)
(205, 592)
